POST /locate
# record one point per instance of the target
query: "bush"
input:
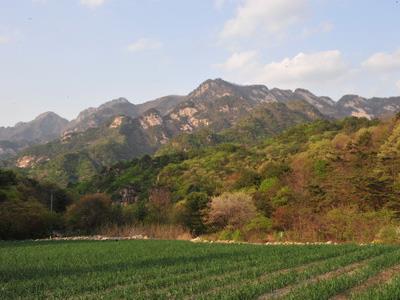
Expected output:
(350, 224)
(7, 178)
(134, 213)
(389, 234)
(229, 234)
(24, 220)
(89, 213)
(268, 184)
(263, 203)
(257, 228)
(259, 223)
(230, 209)
(248, 178)
(320, 168)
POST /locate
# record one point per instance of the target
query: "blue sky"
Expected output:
(67, 55)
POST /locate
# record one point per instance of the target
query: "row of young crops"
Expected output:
(183, 270)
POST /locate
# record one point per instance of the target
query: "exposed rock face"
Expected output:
(117, 122)
(150, 119)
(357, 106)
(29, 161)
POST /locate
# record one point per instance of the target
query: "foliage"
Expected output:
(159, 205)
(25, 206)
(24, 220)
(190, 212)
(230, 209)
(89, 213)
(325, 180)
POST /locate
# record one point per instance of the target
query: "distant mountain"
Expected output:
(127, 130)
(163, 105)
(44, 128)
(357, 106)
(95, 117)
(79, 155)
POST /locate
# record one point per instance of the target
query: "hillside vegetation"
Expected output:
(80, 155)
(29, 209)
(327, 180)
(317, 181)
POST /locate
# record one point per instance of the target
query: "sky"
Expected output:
(67, 55)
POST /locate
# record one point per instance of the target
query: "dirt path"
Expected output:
(382, 277)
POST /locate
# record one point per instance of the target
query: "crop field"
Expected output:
(148, 269)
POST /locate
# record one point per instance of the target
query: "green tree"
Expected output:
(192, 211)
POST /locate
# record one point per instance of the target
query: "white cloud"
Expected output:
(239, 60)
(92, 3)
(4, 39)
(398, 85)
(265, 16)
(308, 70)
(144, 44)
(383, 61)
(304, 69)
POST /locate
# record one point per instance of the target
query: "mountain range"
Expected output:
(51, 146)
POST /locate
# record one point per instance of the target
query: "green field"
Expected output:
(148, 269)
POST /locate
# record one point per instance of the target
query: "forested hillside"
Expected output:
(320, 181)
(80, 155)
(30, 209)
(324, 180)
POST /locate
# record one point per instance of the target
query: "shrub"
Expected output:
(248, 178)
(268, 184)
(275, 169)
(134, 213)
(320, 168)
(350, 224)
(7, 178)
(282, 197)
(230, 209)
(258, 228)
(263, 203)
(230, 234)
(389, 234)
(259, 223)
(24, 220)
(89, 213)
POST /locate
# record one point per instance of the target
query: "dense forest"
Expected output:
(318, 181)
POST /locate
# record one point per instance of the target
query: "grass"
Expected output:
(151, 269)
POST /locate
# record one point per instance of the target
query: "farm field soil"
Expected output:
(151, 269)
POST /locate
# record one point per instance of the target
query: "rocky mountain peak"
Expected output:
(351, 97)
(48, 115)
(115, 102)
(215, 88)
